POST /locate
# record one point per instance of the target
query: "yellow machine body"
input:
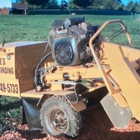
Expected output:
(17, 64)
(118, 67)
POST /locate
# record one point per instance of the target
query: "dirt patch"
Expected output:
(97, 126)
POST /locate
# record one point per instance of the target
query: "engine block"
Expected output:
(69, 39)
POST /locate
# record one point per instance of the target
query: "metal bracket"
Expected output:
(120, 117)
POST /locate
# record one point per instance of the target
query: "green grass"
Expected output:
(36, 28)
(10, 113)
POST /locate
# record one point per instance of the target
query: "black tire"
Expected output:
(58, 117)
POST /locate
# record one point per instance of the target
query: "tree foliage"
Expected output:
(105, 5)
(137, 7)
(37, 2)
(118, 1)
(132, 7)
(23, 1)
(83, 3)
(52, 4)
(72, 5)
(95, 4)
(112, 5)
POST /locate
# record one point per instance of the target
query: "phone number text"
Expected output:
(10, 88)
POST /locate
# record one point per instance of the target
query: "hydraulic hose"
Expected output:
(36, 70)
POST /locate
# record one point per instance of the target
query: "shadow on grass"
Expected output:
(29, 135)
(10, 105)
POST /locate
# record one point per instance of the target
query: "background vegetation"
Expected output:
(88, 4)
(36, 28)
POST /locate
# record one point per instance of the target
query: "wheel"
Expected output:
(58, 117)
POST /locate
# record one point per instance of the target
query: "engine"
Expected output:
(69, 39)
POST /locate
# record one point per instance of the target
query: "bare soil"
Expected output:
(97, 126)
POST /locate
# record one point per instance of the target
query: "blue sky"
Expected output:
(126, 1)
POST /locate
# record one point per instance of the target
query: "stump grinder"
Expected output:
(60, 78)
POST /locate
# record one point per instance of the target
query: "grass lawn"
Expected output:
(36, 28)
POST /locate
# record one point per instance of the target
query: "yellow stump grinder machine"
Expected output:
(57, 79)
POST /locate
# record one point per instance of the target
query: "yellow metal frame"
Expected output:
(106, 80)
(118, 69)
(123, 71)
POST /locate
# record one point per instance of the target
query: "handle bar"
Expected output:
(106, 80)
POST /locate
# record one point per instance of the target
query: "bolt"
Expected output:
(127, 109)
(121, 112)
(54, 123)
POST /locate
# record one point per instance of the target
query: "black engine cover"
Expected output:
(67, 39)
